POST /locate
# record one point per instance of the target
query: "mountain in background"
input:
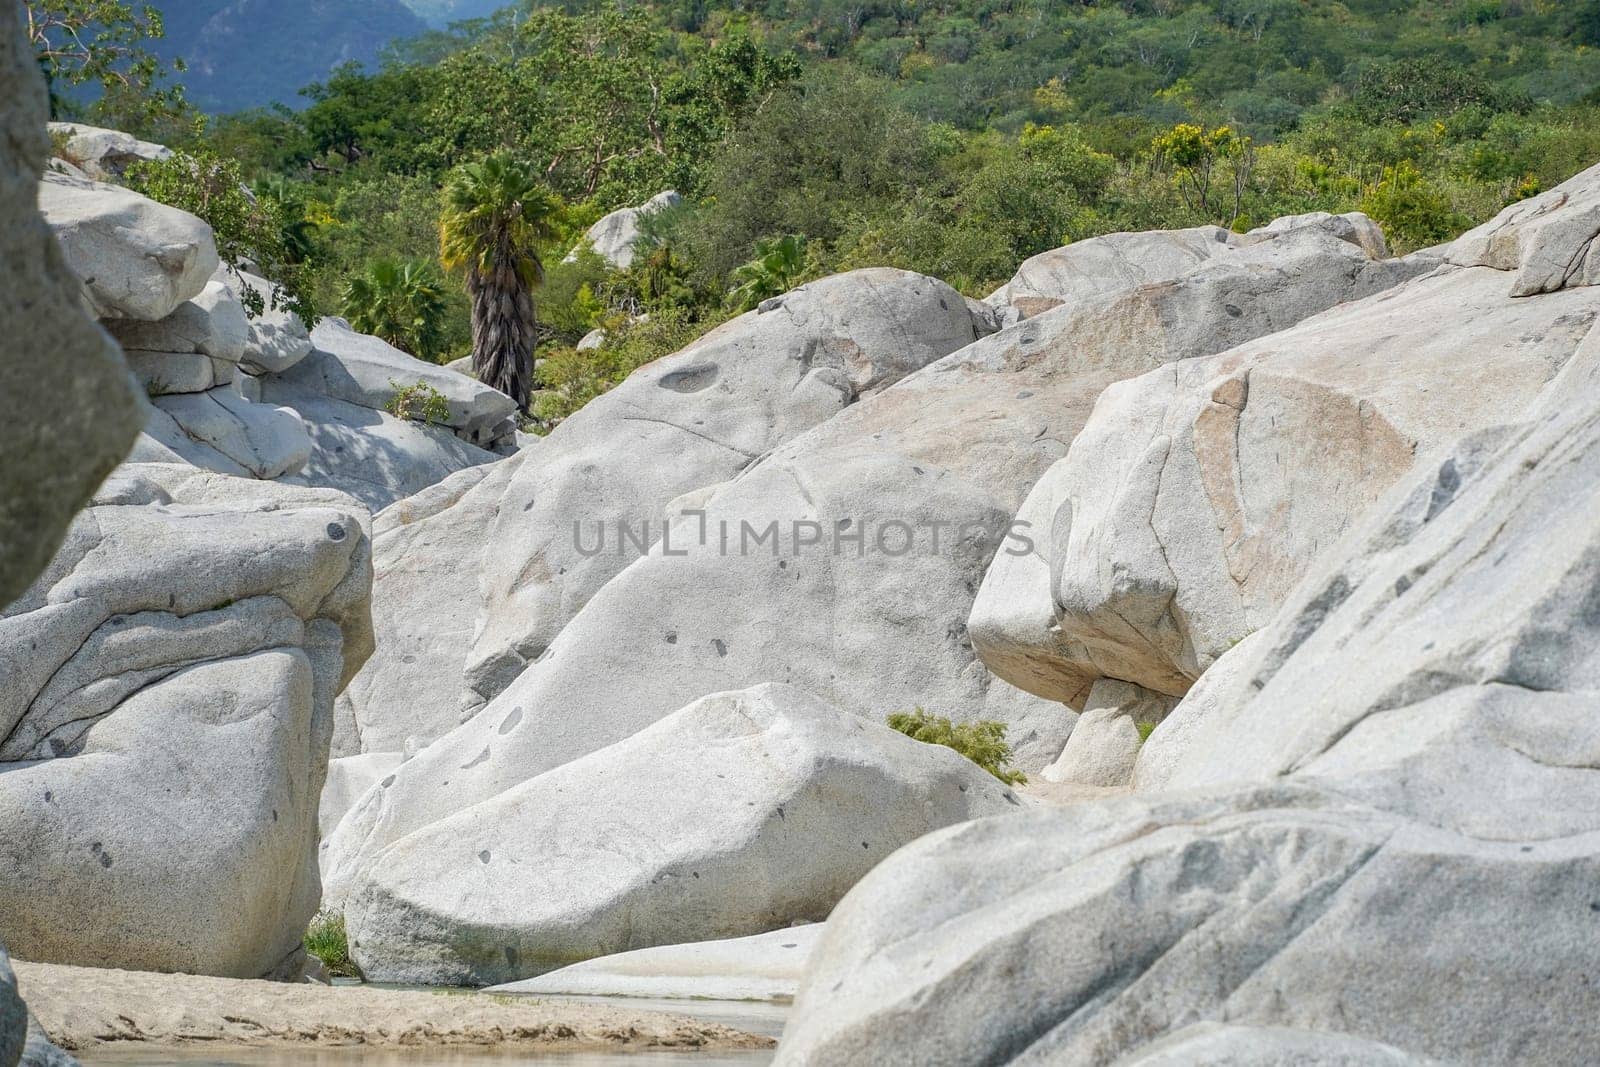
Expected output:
(441, 13)
(249, 53)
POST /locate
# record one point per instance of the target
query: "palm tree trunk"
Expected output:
(502, 329)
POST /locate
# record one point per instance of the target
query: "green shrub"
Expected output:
(327, 941)
(420, 402)
(982, 742)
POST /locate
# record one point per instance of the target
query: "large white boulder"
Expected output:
(68, 408)
(944, 455)
(1547, 242)
(739, 814)
(758, 967)
(264, 440)
(197, 347)
(681, 424)
(1197, 495)
(369, 454)
(367, 372)
(349, 777)
(166, 701)
(278, 339)
(1398, 784)
(135, 258)
(104, 155)
(1225, 1045)
(1107, 264)
(614, 237)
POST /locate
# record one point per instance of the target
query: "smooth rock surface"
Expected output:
(613, 237)
(348, 778)
(105, 155)
(1106, 740)
(1547, 241)
(1397, 784)
(278, 339)
(166, 699)
(1221, 1045)
(213, 324)
(1108, 264)
(760, 967)
(265, 440)
(134, 258)
(949, 450)
(682, 423)
(366, 371)
(742, 813)
(369, 454)
(1231, 473)
(1163, 751)
(68, 408)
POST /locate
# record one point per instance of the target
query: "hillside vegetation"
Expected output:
(955, 139)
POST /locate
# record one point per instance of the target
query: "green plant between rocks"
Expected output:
(327, 940)
(420, 403)
(983, 742)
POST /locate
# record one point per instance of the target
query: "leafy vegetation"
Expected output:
(982, 742)
(327, 941)
(99, 50)
(420, 402)
(250, 231)
(401, 302)
(811, 137)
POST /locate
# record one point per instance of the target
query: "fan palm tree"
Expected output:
(492, 218)
(779, 263)
(403, 303)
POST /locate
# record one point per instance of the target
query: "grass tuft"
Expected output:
(327, 941)
(982, 742)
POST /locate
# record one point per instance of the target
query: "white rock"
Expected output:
(1548, 241)
(1164, 750)
(1397, 783)
(1231, 473)
(694, 419)
(1353, 226)
(264, 440)
(1105, 741)
(614, 236)
(759, 967)
(213, 324)
(367, 372)
(739, 814)
(1108, 264)
(166, 698)
(278, 339)
(105, 155)
(135, 258)
(348, 778)
(591, 340)
(1221, 1045)
(68, 409)
(369, 454)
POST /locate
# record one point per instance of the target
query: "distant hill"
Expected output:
(247, 53)
(444, 12)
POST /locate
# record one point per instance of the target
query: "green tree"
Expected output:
(1201, 159)
(983, 742)
(248, 230)
(493, 216)
(778, 265)
(401, 302)
(289, 201)
(99, 44)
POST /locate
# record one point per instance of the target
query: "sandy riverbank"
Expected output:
(83, 1009)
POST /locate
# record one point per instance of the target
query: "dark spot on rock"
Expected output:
(511, 957)
(1011, 799)
(387, 782)
(718, 644)
(781, 815)
(172, 600)
(1025, 394)
(511, 721)
(1027, 340)
(1233, 310)
(783, 564)
(794, 945)
(1401, 584)
(865, 845)
(844, 524)
(105, 860)
(528, 506)
(962, 788)
(917, 469)
(695, 873)
(943, 304)
(672, 638)
(336, 532)
(483, 757)
(690, 379)
(274, 814)
(483, 857)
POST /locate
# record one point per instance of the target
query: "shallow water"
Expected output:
(751, 1017)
